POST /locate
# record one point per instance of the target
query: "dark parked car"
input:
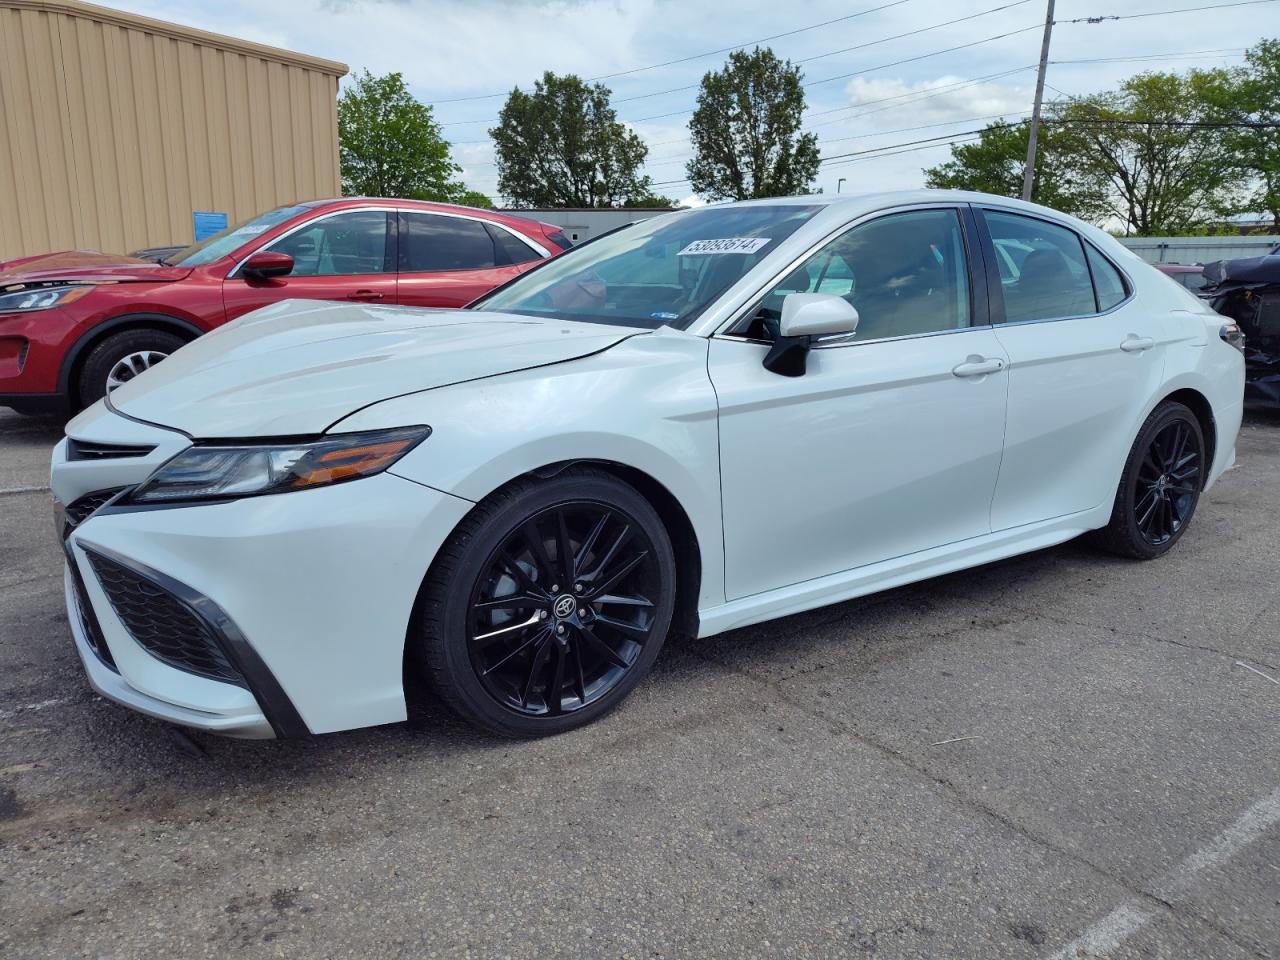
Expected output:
(75, 325)
(1248, 291)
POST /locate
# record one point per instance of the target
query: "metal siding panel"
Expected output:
(129, 230)
(99, 144)
(239, 138)
(115, 131)
(17, 166)
(216, 124)
(281, 142)
(34, 129)
(148, 120)
(299, 127)
(258, 109)
(176, 180)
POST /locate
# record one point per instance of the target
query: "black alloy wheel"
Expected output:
(1160, 486)
(563, 609)
(1168, 483)
(548, 605)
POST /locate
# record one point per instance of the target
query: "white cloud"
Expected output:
(943, 98)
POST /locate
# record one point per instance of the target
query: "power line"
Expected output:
(882, 66)
(880, 133)
(860, 46)
(813, 83)
(1161, 13)
(699, 56)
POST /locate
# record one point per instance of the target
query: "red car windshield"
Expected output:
(220, 244)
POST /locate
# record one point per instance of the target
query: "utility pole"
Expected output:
(1029, 171)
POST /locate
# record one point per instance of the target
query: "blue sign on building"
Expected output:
(207, 223)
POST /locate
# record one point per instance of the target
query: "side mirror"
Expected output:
(816, 315)
(266, 264)
(804, 316)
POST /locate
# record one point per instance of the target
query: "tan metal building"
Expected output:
(116, 128)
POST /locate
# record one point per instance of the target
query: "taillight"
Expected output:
(1231, 333)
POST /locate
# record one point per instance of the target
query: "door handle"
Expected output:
(364, 295)
(977, 366)
(1135, 344)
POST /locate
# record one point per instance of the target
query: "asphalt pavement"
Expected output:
(1063, 755)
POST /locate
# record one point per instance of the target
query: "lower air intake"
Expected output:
(162, 624)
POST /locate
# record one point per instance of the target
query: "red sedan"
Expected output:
(75, 325)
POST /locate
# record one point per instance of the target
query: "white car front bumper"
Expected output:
(304, 599)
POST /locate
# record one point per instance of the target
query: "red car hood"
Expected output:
(86, 266)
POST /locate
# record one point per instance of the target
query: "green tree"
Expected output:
(472, 198)
(746, 131)
(994, 163)
(1161, 173)
(562, 146)
(1251, 94)
(651, 201)
(390, 145)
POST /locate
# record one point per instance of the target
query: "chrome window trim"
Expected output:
(232, 275)
(1084, 242)
(843, 340)
(536, 247)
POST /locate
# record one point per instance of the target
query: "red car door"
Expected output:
(448, 260)
(345, 256)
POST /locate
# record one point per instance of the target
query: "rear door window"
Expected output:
(432, 244)
(1043, 273)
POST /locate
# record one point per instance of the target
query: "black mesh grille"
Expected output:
(79, 511)
(162, 624)
(88, 450)
(88, 622)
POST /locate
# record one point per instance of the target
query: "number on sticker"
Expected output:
(726, 245)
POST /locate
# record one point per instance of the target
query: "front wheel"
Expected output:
(121, 357)
(548, 605)
(1160, 486)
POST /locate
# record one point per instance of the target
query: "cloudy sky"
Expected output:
(867, 87)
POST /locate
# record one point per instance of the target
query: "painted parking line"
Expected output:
(6, 491)
(42, 705)
(1127, 919)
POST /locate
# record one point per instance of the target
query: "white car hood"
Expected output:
(298, 366)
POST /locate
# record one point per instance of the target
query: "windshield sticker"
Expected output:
(663, 315)
(727, 245)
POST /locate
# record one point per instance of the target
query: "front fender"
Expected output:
(646, 403)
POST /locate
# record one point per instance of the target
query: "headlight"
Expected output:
(225, 471)
(41, 298)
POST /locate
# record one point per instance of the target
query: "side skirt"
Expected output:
(886, 574)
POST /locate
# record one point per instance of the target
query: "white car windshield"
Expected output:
(220, 244)
(662, 272)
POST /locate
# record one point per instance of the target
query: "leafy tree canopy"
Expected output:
(389, 145)
(746, 131)
(563, 146)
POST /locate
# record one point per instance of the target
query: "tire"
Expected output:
(103, 359)
(1160, 486)
(492, 637)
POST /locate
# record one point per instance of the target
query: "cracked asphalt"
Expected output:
(1060, 755)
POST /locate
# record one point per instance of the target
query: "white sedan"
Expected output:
(709, 419)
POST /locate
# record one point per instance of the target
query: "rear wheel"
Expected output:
(121, 357)
(548, 605)
(1160, 486)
